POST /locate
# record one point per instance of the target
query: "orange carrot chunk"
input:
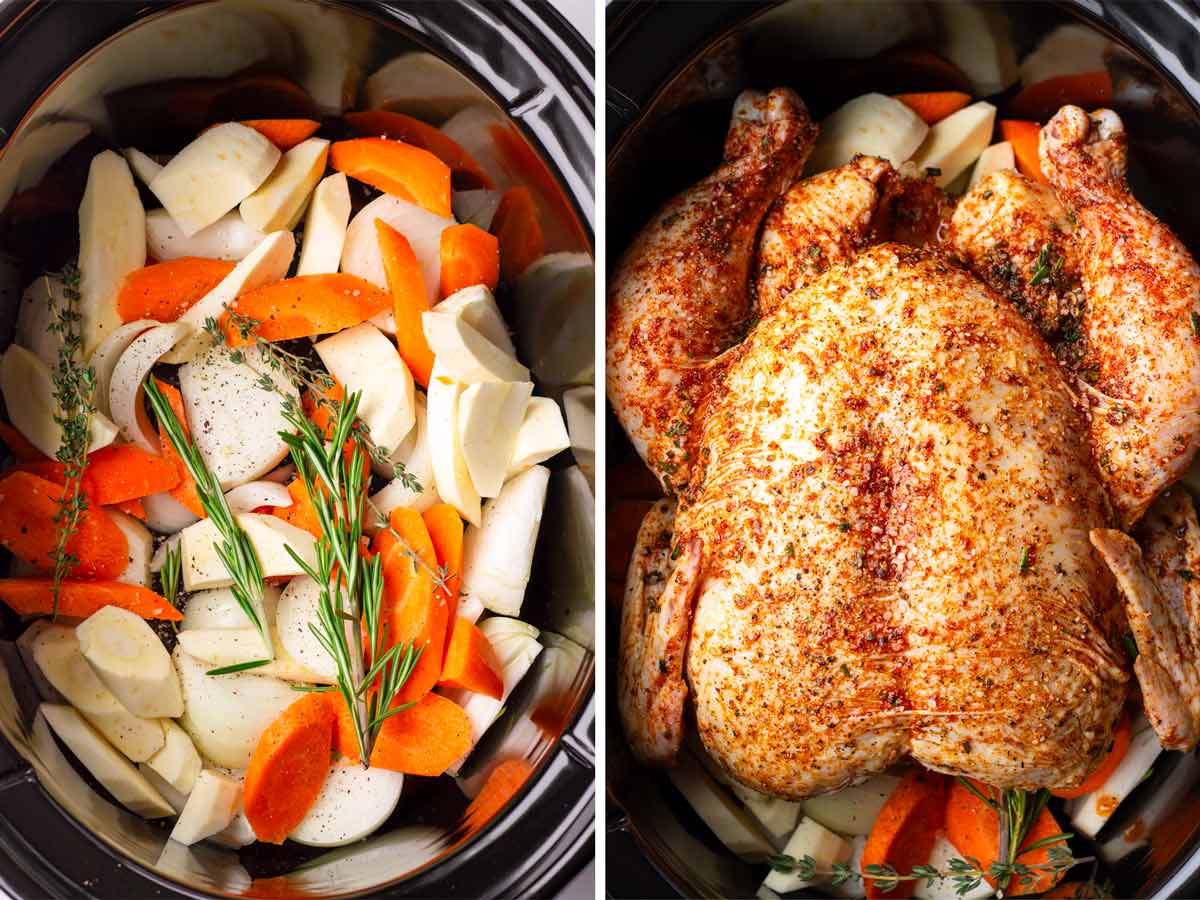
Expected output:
(933, 106)
(409, 300)
(424, 739)
(904, 833)
(471, 662)
(414, 613)
(1040, 101)
(1025, 138)
(469, 256)
(304, 306)
(288, 768)
(121, 472)
(79, 599)
(184, 493)
(166, 290)
(396, 168)
(972, 826)
(133, 508)
(284, 133)
(301, 513)
(517, 227)
(1122, 733)
(464, 170)
(18, 445)
(445, 528)
(28, 506)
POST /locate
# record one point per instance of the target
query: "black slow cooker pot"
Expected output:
(673, 70)
(70, 67)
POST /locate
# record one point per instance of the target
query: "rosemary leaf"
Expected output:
(238, 667)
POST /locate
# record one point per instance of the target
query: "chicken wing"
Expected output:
(679, 296)
(1142, 321)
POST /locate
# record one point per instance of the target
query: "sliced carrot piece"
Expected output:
(396, 168)
(501, 786)
(424, 739)
(905, 830)
(469, 256)
(1040, 101)
(284, 133)
(79, 599)
(972, 826)
(471, 663)
(445, 528)
(1122, 733)
(933, 106)
(133, 508)
(301, 513)
(306, 305)
(19, 446)
(413, 612)
(288, 767)
(1025, 138)
(317, 411)
(166, 290)
(184, 493)
(409, 300)
(121, 472)
(517, 227)
(28, 506)
(465, 171)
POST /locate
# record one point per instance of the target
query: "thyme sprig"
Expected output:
(235, 549)
(1046, 267)
(300, 372)
(74, 387)
(350, 625)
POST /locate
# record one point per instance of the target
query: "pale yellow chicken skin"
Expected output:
(885, 497)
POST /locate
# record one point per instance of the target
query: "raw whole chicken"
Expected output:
(884, 494)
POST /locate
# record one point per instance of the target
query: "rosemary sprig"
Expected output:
(74, 385)
(235, 550)
(300, 372)
(171, 572)
(350, 603)
(1046, 267)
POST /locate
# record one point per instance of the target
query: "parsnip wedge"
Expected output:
(177, 763)
(874, 125)
(450, 474)
(226, 714)
(418, 464)
(130, 659)
(814, 840)
(466, 355)
(325, 227)
(954, 143)
(28, 390)
(176, 800)
(112, 243)
(363, 360)
(270, 536)
(542, 435)
(266, 264)
(213, 174)
(236, 423)
(56, 652)
(40, 303)
(279, 201)
(476, 305)
(108, 354)
(729, 822)
(116, 774)
(125, 388)
(556, 326)
(489, 418)
(423, 229)
(140, 545)
(352, 804)
(498, 553)
(210, 807)
(143, 166)
(994, 159)
(228, 238)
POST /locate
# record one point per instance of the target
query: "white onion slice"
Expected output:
(125, 390)
(106, 356)
(248, 497)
